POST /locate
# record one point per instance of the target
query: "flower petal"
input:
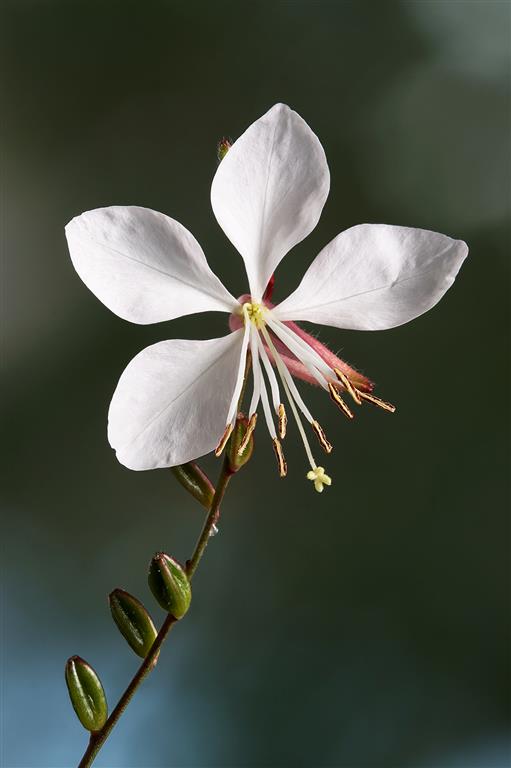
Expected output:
(269, 191)
(171, 402)
(145, 266)
(375, 276)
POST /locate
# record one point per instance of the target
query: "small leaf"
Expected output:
(195, 481)
(86, 694)
(133, 621)
(169, 584)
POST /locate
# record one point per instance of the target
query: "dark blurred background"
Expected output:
(365, 627)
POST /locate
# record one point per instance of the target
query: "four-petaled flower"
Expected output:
(177, 400)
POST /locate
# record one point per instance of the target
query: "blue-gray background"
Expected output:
(365, 627)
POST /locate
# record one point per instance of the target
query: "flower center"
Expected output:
(254, 312)
(271, 342)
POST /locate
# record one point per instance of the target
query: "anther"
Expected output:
(223, 440)
(348, 385)
(376, 401)
(318, 429)
(281, 461)
(248, 434)
(282, 421)
(339, 401)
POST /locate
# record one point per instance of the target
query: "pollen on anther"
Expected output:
(282, 421)
(248, 434)
(376, 401)
(318, 429)
(348, 386)
(223, 440)
(279, 453)
(339, 401)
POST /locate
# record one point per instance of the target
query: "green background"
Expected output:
(365, 627)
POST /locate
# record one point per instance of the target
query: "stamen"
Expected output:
(376, 401)
(254, 344)
(339, 401)
(284, 374)
(275, 394)
(309, 357)
(281, 461)
(282, 421)
(348, 385)
(256, 394)
(223, 440)
(318, 429)
(248, 434)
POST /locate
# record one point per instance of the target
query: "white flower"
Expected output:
(178, 399)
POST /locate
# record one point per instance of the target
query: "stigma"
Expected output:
(319, 478)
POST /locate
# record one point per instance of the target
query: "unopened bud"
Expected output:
(223, 147)
(169, 584)
(86, 694)
(242, 442)
(196, 482)
(133, 621)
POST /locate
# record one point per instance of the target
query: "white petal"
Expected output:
(269, 191)
(143, 265)
(375, 276)
(171, 402)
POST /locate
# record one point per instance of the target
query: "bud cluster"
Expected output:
(168, 581)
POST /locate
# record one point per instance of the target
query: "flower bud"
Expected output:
(223, 147)
(86, 694)
(133, 621)
(196, 482)
(241, 444)
(169, 584)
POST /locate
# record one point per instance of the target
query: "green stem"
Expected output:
(211, 520)
(98, 738)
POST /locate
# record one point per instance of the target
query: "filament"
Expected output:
(283, 370)
(259, 375)
(306, 354)
(285, 376)
(271, 375)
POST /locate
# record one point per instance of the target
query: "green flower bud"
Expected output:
(133, 621)
(196, 482)
(242, 443)
(223, 147)
(86, 694)
(169, 584)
